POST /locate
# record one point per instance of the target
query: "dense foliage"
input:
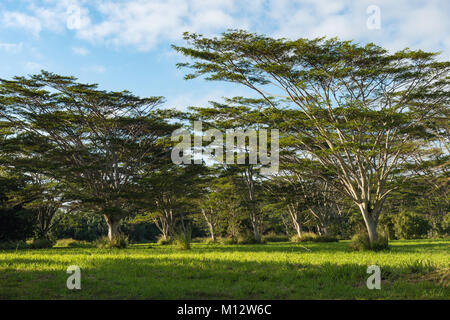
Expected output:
(363, 145)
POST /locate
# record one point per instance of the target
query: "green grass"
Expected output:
(416, 269)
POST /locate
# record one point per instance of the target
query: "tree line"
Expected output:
(363, 144)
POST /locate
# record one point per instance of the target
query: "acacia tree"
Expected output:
(211, 205)
(45, 199)
(225, 204)
(238, 118)
(98, 142)
(362, 112)
(284, 192)
(168, 196)
(41, 194)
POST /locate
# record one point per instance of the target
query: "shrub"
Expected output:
(72, 243)
(409, 225)
(228, 241)
(205, 240)
(14, 245)
(386, 222)
(42, 243)
(210, 241)
(446, 225)
(361, 242)
(119, 242)
(183, 238)
(102, 242)
(16, 224)
(273, 237)
(162, 242)
(312, 237)
(326, 238)
(249, 239)
(306, 236)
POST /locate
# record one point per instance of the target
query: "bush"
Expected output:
(445, 225)
(325, 238)
(386, 223)
(119, 242)
(306, 236)
(409, 225)
(204, 240)
(72, 243)
(162, 242)
(272, 237)
(14, 245)
(79, 225)
(228, 241)
(249, 239)
(312, 237)
(42, 243)
(183, 238)
(209, 241)
(16, 224)
(361, 242)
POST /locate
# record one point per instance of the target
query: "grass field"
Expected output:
(416, 269)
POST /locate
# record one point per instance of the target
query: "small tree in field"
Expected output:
(97, 142)
(361, 112)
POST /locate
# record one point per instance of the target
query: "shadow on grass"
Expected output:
(405, 246)
(166, 277)
(274, 247)
(420, 246)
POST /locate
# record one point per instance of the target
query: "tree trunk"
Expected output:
(319, 230)
(255, 231)
(113, 227)
(298, 227)
(295, 219)
(213, 235)
(254, 219)
(254, 211)
(324, 229)
(370, 222)
(210, 224)
(164, 234)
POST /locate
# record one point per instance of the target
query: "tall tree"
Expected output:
(239, 118)
(99, 141)
(169, 196)
(362, 112)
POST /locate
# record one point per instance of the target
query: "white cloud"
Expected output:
(201, 98)
(143, 24)
(80, 51)
(11, 47)
(414, 24)
(95, 69)
(182, 102)
(50, 19)
(31, 66)
(19, 20)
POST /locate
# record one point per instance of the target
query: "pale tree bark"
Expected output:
(101, 136)
(113, 226)
(254, 212)
(364, 115)
(295, 218)
(233, 222)
(210, 221)
(165, 222)
(370, 216)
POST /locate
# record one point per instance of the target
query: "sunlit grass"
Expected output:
(417, 269)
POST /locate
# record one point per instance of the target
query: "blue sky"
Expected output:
(126, 44)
